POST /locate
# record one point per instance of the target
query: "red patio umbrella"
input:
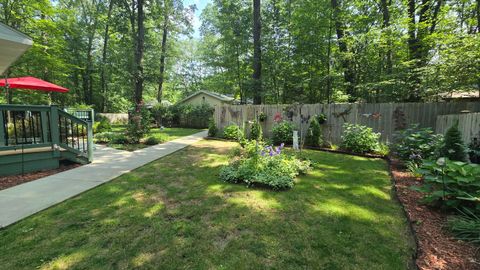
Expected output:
(31, 83)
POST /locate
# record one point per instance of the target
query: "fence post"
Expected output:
(2, 130)
(54, 130)
(90, 141)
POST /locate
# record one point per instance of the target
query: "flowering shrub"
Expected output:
(360, 139)
(264, 165)
(314, 133)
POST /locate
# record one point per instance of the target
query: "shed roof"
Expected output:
(218, 96)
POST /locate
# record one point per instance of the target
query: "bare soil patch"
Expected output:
(13, 180)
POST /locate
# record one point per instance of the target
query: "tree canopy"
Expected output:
(308, 51)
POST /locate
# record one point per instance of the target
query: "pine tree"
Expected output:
(454, 148)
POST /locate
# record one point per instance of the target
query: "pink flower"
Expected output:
(277, 117)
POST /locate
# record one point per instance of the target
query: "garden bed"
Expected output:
(13, 180)
(437, 249)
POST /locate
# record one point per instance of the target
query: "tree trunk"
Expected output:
(385, 6)
(140, 44)
(257, 53)
(103, 80)
(163, 53)
(478, 16)
(348, 73)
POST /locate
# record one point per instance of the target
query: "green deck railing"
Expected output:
(29, 127)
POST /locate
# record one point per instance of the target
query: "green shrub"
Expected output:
(264, 166)
(359, 139)
(415, 144)
(450, 183)
(321, 118)
(102, 125)
(256, 131)
(314, 134)
(120, 138)
(152, 140)
(282, 132)
(466, 226)
(139, 124)
(104, 137)
(382, 149)
(454, 148)
(474, 151)
(233, 132)
(212, 128)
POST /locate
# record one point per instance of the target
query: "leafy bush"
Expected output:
(382, 149)
(233, 132)
(282, 132)
(451, 183)
(265, 166)
(212, 128)
(139, 124)
(415, 144)
(152, 140)
(262, 117)
(474, 151)
(104, 137)
(466, 226)
(321, 118)
(256, 131)
(314, 133)
(454, 148)
(181, 115)
(102, 125)
(359, 139)
(120, 138)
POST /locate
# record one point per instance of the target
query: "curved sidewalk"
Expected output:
(19, 202)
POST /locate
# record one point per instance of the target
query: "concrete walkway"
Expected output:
(21, 201)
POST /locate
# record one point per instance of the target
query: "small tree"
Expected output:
(256, 131)
(138, 124)
(454, 148)
(314, 133)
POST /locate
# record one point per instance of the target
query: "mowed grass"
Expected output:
(175, 213)
(163, 135)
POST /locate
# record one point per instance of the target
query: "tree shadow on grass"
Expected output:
(175, 213)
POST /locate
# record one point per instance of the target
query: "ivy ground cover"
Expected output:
(175, 213)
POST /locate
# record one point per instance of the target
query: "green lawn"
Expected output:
(174, 213)
(165, 135)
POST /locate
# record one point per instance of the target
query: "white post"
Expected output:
(295, 140)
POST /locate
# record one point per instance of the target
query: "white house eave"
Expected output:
(13, 44)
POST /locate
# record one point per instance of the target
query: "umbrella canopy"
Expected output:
(32, 83)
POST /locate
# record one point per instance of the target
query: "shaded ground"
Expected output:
(163, 135)
(437, 248)
(174, 213)
(13, 180)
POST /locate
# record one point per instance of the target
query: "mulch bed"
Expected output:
(436, 248)
(13, 180)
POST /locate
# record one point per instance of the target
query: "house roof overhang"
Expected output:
(13, 44)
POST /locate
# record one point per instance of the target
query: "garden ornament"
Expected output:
(295, 140)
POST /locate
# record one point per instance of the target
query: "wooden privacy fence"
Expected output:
(385, 118)
(468, 124)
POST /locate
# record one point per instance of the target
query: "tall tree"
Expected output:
(257, 53)
(139, 50)
(165, 27)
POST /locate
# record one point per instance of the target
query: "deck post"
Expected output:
(2, 130)
(44, 119)
(90, 141)
(54, 131)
